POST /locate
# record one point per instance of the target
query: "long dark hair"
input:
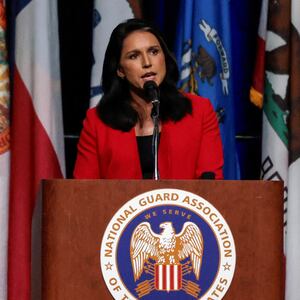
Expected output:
(115, 107)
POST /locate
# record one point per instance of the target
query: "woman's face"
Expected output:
(142, 59)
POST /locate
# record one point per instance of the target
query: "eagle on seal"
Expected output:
(167, 248)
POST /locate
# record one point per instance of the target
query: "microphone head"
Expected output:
(151, 90)
(150, 84)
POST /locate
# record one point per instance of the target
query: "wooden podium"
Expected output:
(76, 213)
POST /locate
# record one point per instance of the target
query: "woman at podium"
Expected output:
(140, 97)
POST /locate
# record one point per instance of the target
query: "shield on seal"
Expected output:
(168, 277)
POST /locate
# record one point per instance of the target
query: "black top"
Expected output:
(146, 155)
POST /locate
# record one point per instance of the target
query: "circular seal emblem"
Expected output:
(168, 244)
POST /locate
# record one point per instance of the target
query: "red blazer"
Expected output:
(187, 148)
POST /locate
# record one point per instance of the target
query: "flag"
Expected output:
(37, 146)
(257, 89)
(106, 16)
(281, 119)
(203, 52)
(4, 151)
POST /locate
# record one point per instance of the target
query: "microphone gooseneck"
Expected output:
(152, 94)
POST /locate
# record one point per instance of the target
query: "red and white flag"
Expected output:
(37, 145)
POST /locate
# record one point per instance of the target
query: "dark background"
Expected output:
(75, 26)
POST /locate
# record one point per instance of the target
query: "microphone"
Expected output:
(152, 94)
(151, 90)
(208, 175)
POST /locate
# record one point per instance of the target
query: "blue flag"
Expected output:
(203, 52)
